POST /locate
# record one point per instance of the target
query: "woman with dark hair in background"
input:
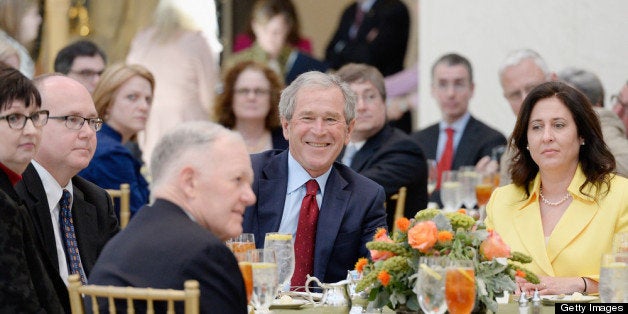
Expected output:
(249, 105)
(565, 200)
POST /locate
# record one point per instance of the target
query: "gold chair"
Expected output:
(190, 296)
(124, 193)
(400, 205)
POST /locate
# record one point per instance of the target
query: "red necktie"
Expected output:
(448, 155)
(306, 236)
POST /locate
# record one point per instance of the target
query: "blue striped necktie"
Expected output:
(69, 237)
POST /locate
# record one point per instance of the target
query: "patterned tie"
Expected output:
(69, 237)
(448, 155)
(306, 235)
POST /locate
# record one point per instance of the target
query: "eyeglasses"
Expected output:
(76, 122)
(87, 73)
(256, 91)
(17, 121)
(615, 100)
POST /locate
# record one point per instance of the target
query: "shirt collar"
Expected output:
(458, 125)
(367, 5)
(14, 177)
(297, 176)
(54, 191)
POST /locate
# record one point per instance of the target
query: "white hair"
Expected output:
(517, 56)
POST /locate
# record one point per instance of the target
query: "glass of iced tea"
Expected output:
(242, 243)
(460, 286)
(245, 263)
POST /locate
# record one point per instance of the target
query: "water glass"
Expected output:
(432, 175)
(284, 253)
(468, 178)
(614, 278)
(620, 242)
(460, 286)
(450, 191)
(430, 284)
(265, 281)
(241, 243)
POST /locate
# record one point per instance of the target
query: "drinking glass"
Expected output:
(468, 178)
(264, 279)
(483, 189)
(246, 268)
(284, 253)
(450, 191)
(432, 176)
(620, 243)
(614, 278)
(460, 286)
(241, 243)
(430, 284)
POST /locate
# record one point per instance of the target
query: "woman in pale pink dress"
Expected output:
(182, 51)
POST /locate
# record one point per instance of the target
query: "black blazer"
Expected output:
(25, 282)
(95, 221)
(477, 141)
(392, 159)
(381, 40)
(161, 247)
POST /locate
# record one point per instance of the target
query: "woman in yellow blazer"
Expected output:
(565, 202)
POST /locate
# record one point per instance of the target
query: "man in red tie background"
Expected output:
(330, 210)
(458, 139)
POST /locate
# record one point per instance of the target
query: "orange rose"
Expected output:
(494, 246)
(445, 236)
(402, 224)
(423, 236)
(381, 236)
(359, 266)
(462, 211)
(520, 273)
(384, 277)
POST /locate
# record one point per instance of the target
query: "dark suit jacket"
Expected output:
(477, 141)
(390, 20)
(161, 247)
(351, 211)
(392, 159)
(93, 214)
(279, 142)
(25, 283)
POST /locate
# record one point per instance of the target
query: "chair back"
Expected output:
(124, 194)
(190, 296)
(400, 204)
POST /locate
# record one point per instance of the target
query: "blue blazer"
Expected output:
(351, 211)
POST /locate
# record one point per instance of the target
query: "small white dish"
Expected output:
(552, 299)
(293, 304)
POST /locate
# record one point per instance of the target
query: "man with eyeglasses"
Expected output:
(72, 217)
(83, 61)
(458, 139)
(620, 105)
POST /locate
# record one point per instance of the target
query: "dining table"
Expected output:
(511, 307)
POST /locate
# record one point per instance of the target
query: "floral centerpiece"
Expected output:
(390, 273)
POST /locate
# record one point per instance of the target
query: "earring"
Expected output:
(528, 147)
(582, 144)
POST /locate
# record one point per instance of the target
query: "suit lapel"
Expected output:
(332, 211)
(40, 211)
(361, 158)
(530, 229)
(467, 145)
(271, 196)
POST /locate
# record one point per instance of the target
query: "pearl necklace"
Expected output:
(566, 197)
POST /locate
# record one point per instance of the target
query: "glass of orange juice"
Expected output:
(246, 268)
(242, 243)
(460, 286)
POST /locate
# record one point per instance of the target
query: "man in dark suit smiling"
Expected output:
(330, 210)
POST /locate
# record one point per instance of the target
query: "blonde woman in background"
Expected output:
(182, 51)
(19, 27)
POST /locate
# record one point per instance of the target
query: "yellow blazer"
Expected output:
(581, 236)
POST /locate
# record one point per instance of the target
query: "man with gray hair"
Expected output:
(613, 129)
(201, 184)
(620, 104)
(331, 211)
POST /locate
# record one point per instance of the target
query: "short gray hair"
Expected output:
(360, 72)
(517, 56)
(184, 138)
(586, 82)
(287, 101)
